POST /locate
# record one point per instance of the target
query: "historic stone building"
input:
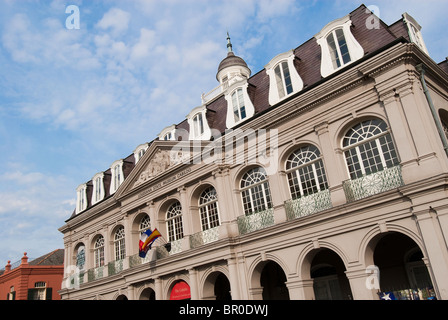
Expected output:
(322, 176)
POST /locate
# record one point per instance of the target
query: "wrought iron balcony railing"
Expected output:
(308, 205)
(369, 185)
(203, 237)
(95, 273)
(255, 221)
(115, 267)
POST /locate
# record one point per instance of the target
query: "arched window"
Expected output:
(174, 222)
(208, 206)
(306, 173)
(255, 191)
(119, 244)
(145, 224)
(81, 257)
(98, 248)
(368, 148)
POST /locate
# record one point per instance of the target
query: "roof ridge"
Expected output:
(47, 256)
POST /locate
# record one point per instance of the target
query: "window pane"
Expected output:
(279, 81)
(287, 76)
(343, 46)
(333, 51)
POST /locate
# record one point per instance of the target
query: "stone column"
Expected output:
(300, 289)
(194, 291)
(363, 283)
(234, 279)
(158, 289)
(436, 250)
(332, 166)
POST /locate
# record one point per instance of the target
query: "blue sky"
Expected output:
(74, 101)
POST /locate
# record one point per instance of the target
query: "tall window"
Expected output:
(99, 251)
(117, 176)
(208, 206)
(81, 257)
(283, 79)
(198, 125)
(306, 174)
(174, 222)
(255, 191)
(239, 109)
(338, 48)
(119, 244)
(98, 188)
(369, 148)
(81, 198)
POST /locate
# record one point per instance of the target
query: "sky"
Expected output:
(74, 100)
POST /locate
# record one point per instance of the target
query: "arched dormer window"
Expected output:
(81, 198)
(168, 134)
(414, 30)
(338, 46)
(239, 105)
(98, 188)
(117, 175)
(140, 151)
(284, 79)
(199, 129)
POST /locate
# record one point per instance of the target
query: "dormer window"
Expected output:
(81, 202)
(140, 151)
(239, 110)
(284, 79)
(117, 175)
(239, 105)
(414, 30)
(338, 46)
(168, 134)
(98, 188)
(198, 125)
(199, 129)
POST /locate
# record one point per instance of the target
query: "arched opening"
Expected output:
(122, 297)
(217, 287)
(273, 282)
(222, 288)
(328, 273)
(148, 294)
(403, 274)
(180, 291)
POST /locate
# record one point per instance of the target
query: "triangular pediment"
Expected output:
(159, 158)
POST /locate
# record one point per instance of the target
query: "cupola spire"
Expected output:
(229, 44)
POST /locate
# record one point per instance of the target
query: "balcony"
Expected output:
(95, 273)
(255, 221)
(308, 205)
(369, 185)
(204, 237)
(115, 267)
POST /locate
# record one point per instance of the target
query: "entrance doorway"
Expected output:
(273, 281)
(328, 273)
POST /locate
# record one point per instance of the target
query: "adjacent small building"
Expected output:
(36, 279)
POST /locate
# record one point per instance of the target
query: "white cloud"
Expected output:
(115, 19)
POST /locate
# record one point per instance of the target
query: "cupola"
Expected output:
(231, 66)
